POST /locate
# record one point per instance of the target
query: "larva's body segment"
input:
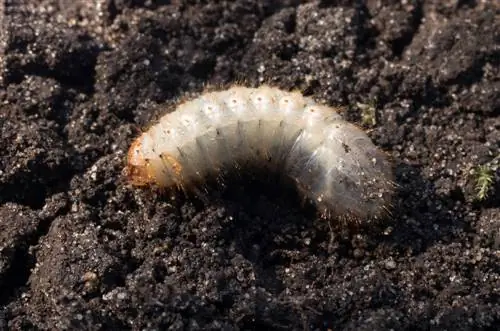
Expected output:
(332, 162)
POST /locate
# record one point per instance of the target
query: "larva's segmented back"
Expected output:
(332, 162)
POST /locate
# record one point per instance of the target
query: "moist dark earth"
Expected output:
(81, 249)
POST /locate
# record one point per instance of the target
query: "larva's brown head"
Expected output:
(137, 168)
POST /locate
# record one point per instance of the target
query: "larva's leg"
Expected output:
(172, 170)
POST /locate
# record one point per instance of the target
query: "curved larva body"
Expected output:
(332, 162)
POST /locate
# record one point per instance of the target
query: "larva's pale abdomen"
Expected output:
(332, 162)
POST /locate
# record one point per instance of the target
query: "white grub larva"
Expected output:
(333, 163)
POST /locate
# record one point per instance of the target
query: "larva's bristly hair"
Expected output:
(331, 162)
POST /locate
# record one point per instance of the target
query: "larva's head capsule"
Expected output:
(137, 169)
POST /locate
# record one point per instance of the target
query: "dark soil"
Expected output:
(80, 249)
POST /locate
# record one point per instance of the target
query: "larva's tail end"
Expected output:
(137, 170)
(377, 209)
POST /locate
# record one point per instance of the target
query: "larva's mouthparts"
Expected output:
(137, 171)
